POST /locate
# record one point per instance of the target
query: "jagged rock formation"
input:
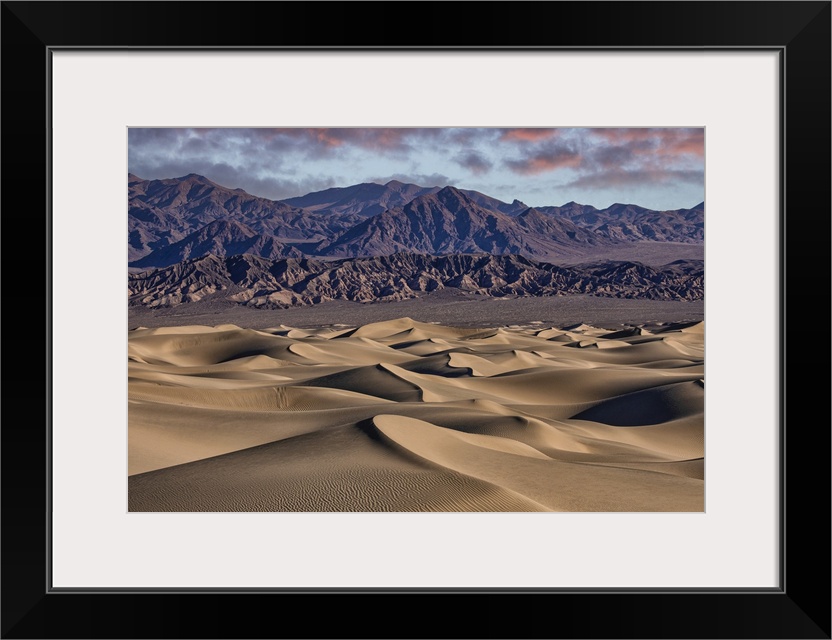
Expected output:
(260, 282)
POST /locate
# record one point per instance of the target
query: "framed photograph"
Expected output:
(673, 511)
(414, 330)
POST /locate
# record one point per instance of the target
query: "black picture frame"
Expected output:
(799, 608)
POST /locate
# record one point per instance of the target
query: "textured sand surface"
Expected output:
(409, 416)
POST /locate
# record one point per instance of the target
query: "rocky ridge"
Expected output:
(259, 282)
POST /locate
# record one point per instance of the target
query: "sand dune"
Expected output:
(412, 416)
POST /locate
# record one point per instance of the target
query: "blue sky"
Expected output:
(658, 168)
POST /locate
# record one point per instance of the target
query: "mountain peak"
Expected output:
(195, 177)
(451, 191)
(577, 206)
(452, 196)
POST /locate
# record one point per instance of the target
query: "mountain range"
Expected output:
(190, 238)
(181, 218)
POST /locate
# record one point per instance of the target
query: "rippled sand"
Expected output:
(410, 416)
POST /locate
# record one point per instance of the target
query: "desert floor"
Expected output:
(402, 415)
(448, 307)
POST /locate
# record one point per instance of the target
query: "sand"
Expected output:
(404, 415)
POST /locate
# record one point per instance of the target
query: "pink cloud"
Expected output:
(664, 141)
(325, 137)
(527, 135)
(543, 162)
(620, 136)
(692, 144)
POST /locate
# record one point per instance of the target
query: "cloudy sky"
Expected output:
(657, 168)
